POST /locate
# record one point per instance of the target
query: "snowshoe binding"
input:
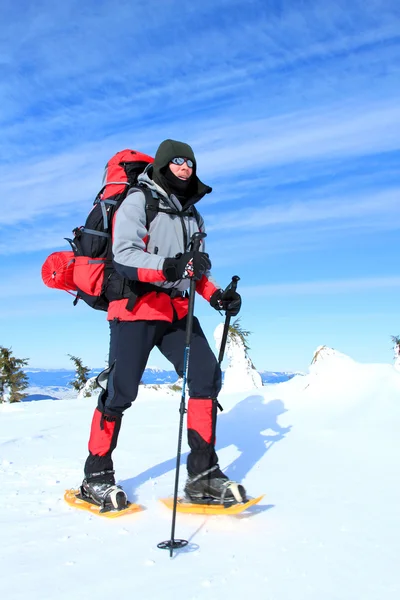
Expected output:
(100, 489)
(213, 487)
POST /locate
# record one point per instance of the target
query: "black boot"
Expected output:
(100, 489)
(212, 486)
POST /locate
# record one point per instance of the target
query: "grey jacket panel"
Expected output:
(165, 236)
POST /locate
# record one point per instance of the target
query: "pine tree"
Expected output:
(81, 375)
(317, 353)
(396, 344)
(236, 331)
(395, 340)
(12, 377)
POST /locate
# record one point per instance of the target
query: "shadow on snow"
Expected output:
(242, 427)
(34, 397)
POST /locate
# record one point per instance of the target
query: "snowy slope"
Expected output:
(324, 448)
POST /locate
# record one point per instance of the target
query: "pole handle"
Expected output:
(231, 286)
(196, 240)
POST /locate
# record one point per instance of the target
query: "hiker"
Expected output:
(159, 262)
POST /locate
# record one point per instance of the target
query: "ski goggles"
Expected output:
(179, 160)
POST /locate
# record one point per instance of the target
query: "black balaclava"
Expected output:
(179, 187)
(192, 189)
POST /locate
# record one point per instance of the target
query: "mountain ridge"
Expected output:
(62, 377)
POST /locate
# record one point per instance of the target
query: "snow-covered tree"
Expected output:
(81, 376)
(396, 347)
(396, 344)
(13, 380)
(240, 374)
(326, 362)
(236, 331)
(89, 389)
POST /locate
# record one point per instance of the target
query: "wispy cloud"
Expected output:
(344, 286)
(292, 110)
(315, 135)
(360, 210)
(74, 83)
(241, 149)
(56, 194)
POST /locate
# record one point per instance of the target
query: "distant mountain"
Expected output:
(60, 378)
(53, 377)
(155, 375)
(277, 377)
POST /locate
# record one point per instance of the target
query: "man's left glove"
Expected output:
(230, 301)
(190, 265)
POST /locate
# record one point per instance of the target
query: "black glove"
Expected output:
(187, 265)
(230, 301)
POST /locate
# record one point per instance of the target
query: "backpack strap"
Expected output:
(153, 207)
(186, 212)
(196, 215)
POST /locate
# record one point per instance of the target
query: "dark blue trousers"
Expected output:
(130, 345)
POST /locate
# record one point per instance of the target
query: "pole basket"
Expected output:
(172, 545)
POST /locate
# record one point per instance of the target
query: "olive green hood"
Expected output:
(167, 150)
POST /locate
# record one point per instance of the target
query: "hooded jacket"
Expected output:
(139, 254)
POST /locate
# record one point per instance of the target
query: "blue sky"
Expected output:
(293, 111)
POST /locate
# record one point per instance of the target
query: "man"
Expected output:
(160, 262)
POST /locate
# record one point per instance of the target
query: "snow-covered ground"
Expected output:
(324, 448)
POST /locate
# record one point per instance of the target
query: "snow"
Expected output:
(324, 448)
(89, 389)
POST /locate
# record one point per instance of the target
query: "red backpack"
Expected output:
(86, 271)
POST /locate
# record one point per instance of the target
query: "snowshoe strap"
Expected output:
(111, 496)
(233, 487)
(99, 475)
(203, 474)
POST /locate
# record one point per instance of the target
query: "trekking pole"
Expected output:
(172, 543)
(232, 286)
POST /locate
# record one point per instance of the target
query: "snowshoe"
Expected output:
(213, 487)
